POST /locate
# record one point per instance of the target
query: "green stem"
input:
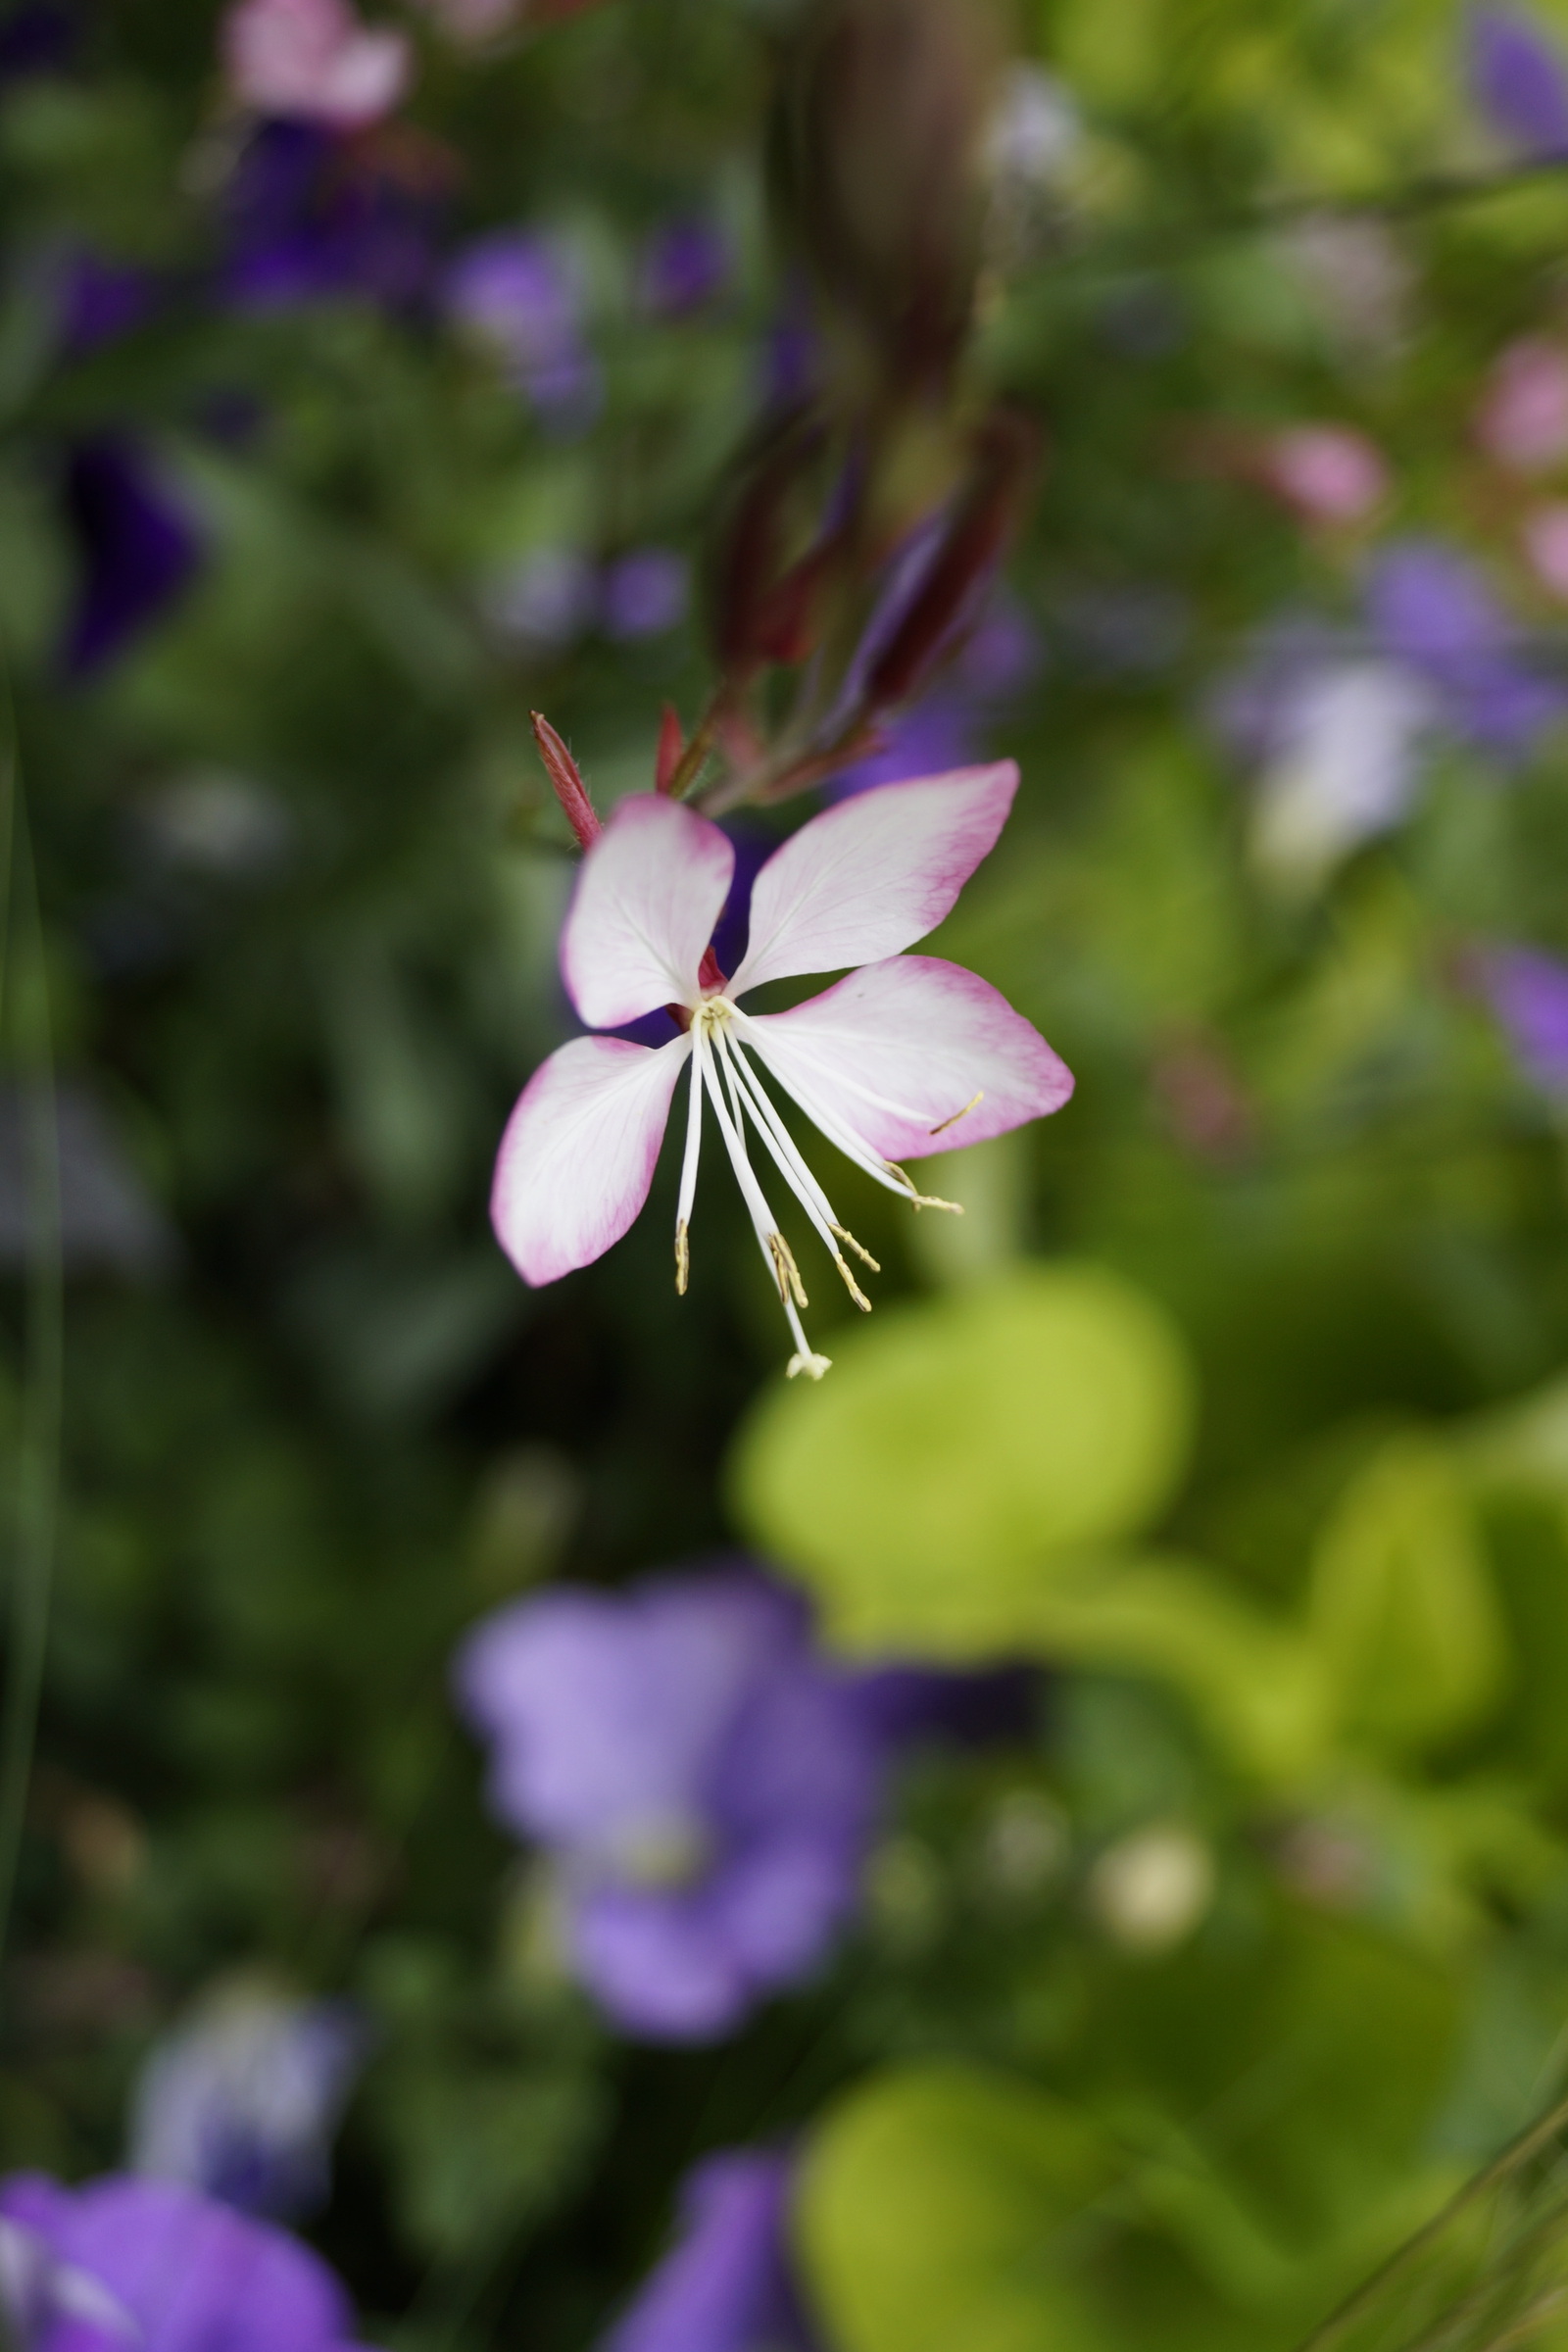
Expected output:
(24, 977)
(1520, 2152)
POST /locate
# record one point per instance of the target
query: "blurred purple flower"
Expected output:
(99, 301)
(308, 215)
(1432, 610)
(706, 1783)
(122, 2264)
(136, 546)
(792, 353)
(39, 37)
(909, 1706)
(684, 263)
(242, 2101)
(644, 594)
(1529, 994)
(519, 292)
(727, 2285)
(1518, 77)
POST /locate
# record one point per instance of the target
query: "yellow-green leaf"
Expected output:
(962, 1448)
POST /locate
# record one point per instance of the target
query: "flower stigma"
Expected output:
(724, 1041)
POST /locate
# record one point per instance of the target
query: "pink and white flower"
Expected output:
(886, 1063)
(313, 60)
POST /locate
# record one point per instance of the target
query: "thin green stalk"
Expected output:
(1531, 2143)
(24, 1013)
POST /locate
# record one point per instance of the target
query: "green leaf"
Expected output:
(962, 1449)
(1254, 1684)
(937, 2209)
(941, 2206)
(484, 2150)
(1403, 1606)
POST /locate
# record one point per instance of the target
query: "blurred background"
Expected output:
(1171, 1578)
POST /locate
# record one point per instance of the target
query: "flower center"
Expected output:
(661, 1854)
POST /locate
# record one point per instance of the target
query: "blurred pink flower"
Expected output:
(313, 60)
(1522, 420)
(1545, 533)
(1328, 472)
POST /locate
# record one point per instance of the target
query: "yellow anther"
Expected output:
(786, 1271)
(853, 1287)
(683, 1259)
(849, 1242)
(960, 1115)
(922, 1199)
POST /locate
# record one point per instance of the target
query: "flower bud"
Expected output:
(1006, 447)
(879, 171)
(769, 569)
(565, 778)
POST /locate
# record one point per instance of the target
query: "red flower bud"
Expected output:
(879, 169)
(672, 743)
(566, 778)
(764, 590)
(1006, 449)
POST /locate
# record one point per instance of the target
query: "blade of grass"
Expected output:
(25, 1020)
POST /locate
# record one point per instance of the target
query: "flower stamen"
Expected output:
(688, 1170)
(708, 1028)
(786, 1272)
(922, 1199)
(849, 1242)
(881, 1171)
(972, 1105)
(792, 1167)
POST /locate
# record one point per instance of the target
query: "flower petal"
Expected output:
(924, 1036)
(656, 1964)
(650, 892)
(609, 1712)
(579, 1152)
(872, 876)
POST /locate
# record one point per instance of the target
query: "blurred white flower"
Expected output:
(1027, 1843)
(1342, 767)
(1036, 132)
(544, 601)
(242, 2100)
(1360, 276)
(210, 821)
(1149, 1890)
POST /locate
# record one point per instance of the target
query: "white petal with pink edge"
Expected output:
(579, 1152)
(650, 892)
(868, 878)
(914, 1055)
